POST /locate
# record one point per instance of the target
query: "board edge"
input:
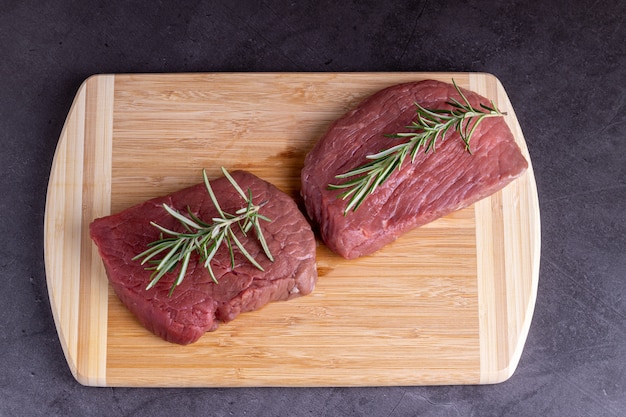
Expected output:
(74, 134)
(499, 374)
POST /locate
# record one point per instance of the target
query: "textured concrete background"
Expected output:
(563, 64)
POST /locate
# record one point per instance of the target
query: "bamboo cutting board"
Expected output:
(448, 303)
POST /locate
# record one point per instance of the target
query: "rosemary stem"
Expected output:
(429, 126)
(204, 238)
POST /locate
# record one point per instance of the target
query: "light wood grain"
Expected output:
(79, 190)
(448, 303)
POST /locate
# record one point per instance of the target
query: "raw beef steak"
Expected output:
(197, 305)
(436, 184)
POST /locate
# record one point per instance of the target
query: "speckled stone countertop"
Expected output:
(563, 64)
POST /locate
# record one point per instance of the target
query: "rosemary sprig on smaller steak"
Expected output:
(429, 126)
(204, 238)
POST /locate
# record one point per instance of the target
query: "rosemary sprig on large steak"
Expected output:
(429, 126)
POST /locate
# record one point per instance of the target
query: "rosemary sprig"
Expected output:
(429, 126)
(204, 238)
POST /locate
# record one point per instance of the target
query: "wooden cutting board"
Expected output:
(449, 303)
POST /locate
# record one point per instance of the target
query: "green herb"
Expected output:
(430, 125)
(204, 238)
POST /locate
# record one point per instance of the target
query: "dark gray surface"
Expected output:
(563, 64)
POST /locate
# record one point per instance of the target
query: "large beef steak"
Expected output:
(436, 184)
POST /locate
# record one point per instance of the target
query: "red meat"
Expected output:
(434, 185)
(197, 305)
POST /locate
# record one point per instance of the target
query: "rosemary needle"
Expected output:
(429, 126)
(204, 238)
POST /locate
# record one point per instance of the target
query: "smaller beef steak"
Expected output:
(436, 184)
(198, 304)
